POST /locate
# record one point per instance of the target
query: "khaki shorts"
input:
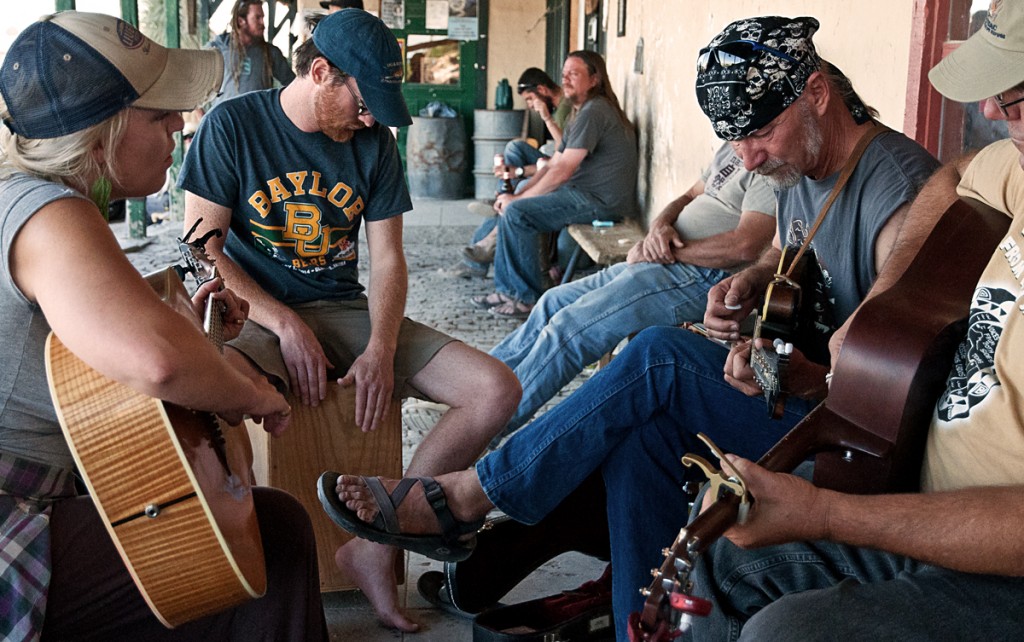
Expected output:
(343, 328)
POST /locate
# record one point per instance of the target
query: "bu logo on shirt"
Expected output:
(304, 234)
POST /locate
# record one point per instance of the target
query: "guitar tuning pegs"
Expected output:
(655, 572)
(646, 592)
(665, 552)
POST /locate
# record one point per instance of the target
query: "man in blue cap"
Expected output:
(288, 176)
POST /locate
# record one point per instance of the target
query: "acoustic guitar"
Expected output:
(172, 485)
(858, 447)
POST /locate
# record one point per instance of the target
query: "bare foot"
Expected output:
(372, 567)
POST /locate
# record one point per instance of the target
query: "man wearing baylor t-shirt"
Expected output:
(290, 176)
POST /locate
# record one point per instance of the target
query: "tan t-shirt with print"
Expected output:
(977, 431)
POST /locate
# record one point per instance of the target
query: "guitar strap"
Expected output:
(851, 164)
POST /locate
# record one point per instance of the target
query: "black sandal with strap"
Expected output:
(451, 545)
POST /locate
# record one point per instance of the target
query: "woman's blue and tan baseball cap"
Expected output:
(72, 70)
(361, 45)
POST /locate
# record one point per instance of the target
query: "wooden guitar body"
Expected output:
(868, 436)
(172, 487)
(887, 379)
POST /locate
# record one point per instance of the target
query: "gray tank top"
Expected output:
(28, 422)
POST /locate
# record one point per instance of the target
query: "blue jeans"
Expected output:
(517, 263)
(827, 591)
(633, 420)
(572, 325)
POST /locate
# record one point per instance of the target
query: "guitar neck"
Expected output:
(213, 322)
(804, 439)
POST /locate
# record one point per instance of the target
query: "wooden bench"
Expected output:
(326, 438)
(605, 245)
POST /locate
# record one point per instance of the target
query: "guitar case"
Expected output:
(580, 615)
(508, 551)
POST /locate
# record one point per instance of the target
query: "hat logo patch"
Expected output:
(129, 36)
(393, 73)
(990, 20)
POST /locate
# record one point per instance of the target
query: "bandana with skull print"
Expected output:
(753, 70)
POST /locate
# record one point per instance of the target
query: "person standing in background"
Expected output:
(250, 62)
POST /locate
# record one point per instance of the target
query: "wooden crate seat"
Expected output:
(322, 438)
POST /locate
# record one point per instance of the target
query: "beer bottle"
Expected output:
(506, 184)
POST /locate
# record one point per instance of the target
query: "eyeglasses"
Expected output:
(745, 51)
(1003, 106)
(361, 108)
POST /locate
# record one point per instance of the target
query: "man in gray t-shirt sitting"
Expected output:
(591, 176)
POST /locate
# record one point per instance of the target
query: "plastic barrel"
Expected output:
(492, 129)
(435, 157)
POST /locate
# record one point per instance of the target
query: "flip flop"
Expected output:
(512, 310)
(488, 301)
(445, 547)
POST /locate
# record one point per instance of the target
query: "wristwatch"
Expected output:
(520, 172)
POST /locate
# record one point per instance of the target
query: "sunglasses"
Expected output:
(521, 87)
(742, 51)
(1003, 106)
(361, 108)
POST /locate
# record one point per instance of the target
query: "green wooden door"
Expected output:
(444, 69)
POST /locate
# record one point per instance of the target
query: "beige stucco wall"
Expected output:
(515, 41)
(868, 39)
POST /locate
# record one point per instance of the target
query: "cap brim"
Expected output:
(189, 78)
(387, 107)
(976, 70)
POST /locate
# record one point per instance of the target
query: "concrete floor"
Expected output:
(435, 231)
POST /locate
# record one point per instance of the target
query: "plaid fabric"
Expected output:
(27, 490)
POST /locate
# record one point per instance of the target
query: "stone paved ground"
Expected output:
(434, 233)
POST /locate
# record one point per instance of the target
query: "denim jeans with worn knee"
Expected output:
(517, 262)
(573, 324)
(828, 591)
(633, 420)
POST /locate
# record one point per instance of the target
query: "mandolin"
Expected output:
(789, 313)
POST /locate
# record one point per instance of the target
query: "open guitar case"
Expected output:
(507, 552)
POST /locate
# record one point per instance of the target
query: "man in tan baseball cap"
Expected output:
(989, 62)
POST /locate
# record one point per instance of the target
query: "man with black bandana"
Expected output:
(795, 119)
